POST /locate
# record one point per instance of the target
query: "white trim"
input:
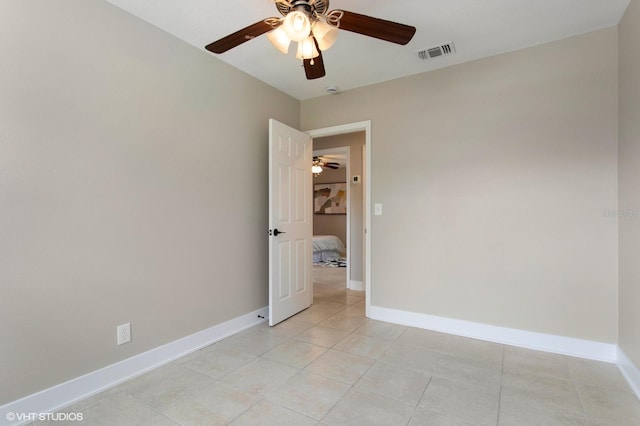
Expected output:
(351, 128)
(75, 390)
(509, 336)
(630, 371)
(356, 285)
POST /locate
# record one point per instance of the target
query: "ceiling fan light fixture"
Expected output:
(316, 167)
(325, 34)
(299, 18)
(279, 39)
(297, 25)
(307, 49)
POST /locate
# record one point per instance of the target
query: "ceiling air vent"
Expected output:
(436, 51)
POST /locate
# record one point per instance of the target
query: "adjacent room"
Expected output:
(488, 274)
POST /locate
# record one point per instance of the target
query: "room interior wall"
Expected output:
(494, 176)
(355, 141)
(629, 182)
(128, 170)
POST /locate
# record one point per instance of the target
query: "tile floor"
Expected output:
(329, 365)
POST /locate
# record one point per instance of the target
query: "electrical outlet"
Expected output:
(124, 333)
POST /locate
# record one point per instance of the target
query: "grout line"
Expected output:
(575, 387)
(500, 392)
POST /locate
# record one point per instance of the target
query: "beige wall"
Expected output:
(355, 141)
(629, 182)
(493, 176)
(128, 170)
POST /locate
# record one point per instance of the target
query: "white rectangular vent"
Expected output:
(436, 51)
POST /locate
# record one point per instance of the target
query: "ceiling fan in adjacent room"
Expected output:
(319, 164)
(315, 28)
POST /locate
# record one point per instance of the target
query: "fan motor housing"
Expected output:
(317, 7)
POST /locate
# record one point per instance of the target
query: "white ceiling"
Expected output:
(477, 28)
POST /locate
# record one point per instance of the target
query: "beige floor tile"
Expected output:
(314, 315)
(254, 342)
(113, 392)
(547, 390)
(347, 298)
(357, 344)
(343, 322)
(422, 417)
(295, 353)
(520, 360)
(516, 409)
(395, 381)
(425, 339)
(269, 413)
(119, 409)
(381, 330)
(291, 327)
(488, 353)
(260, 376)
(322, 336)
(162, 386)
(412, 357)
(616, 406)
(356, 310)
(467, 370)
(212, 404)
(329, 306)
(341, 366)
(597, 373)
(333, 278)
(360, 407)
(217, 361)
(474, 403)
(309, 394)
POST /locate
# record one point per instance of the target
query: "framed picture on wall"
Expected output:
(330, 198)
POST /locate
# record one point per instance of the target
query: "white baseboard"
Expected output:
(630, 372)
(509, 336)
(65, 394)
(356, 285)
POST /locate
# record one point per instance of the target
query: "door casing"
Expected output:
(351, 128)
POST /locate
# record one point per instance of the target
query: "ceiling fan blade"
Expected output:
(242, 36)
(375, 27)
(332, 166)
(315, 70)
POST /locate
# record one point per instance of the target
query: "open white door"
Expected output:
(290, 222)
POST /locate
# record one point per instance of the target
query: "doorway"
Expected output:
(331, 229)
(358, 238)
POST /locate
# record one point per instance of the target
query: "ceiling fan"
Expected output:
(319, 164)
(328, 164)
(315, 28)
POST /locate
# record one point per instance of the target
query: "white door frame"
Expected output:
(347, 151)
(351, 128)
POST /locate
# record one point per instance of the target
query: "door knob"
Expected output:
(276, 232)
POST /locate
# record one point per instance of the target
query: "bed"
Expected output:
(327, 247)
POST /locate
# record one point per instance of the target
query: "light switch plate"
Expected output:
(377, 209)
